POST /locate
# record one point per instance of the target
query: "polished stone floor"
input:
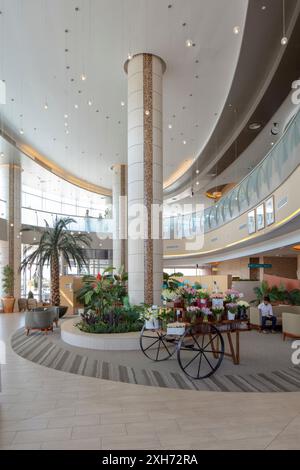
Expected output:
(42, 408)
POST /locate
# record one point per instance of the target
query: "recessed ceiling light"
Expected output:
(21, 131)
(90, 102)
(122, 103)
(184, 142)
(2, 154)
(236, 29)
(46, 106)
(66, 116)
(254, 126)
(67, 131)
(83, 77)
(170, 126)
(147, 112)
(129, 56)
(66, 124)
(76, 106)
(197, 172)
(264, 7)
(197, 183)
(189, 43)
(284, 41)
(272, 143)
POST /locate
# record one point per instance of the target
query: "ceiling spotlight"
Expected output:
(197, 183)
(21, 131)
(34, 239)
(46, 106)
(284, 41)
(11, 225)
(122, 103)
(2, 154)
(197, 172)
(76, 106)
(236, 30)
(66, 124)
(272, 143)
(67, 131)
(264, 7)
(90, 102)
(66, 116)
(275, 129)
(189, 43)
(147, 112)
(254, 126)
(184, 142)
(129, 56)
(83, 77)
(170, 126)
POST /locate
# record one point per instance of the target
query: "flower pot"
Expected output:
(8, 304)
(218, 317)
(201, 303)
(230, 315)
(152, 324)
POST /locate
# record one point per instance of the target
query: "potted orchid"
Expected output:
(202, 297)
(169, 297)
(242, 309)
(193, 313)
(232, 308)
(188, 295)
(218, 312)
(232, 295)
(206, 313)
(150, 316)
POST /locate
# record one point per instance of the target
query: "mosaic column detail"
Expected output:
(119, 195)
(145, 176)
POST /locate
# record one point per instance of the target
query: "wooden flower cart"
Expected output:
(200, 347)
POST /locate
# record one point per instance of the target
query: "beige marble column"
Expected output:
(145, 175)
(119, 196)
(10, 183)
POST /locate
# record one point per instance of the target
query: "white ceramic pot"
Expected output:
(152, 324)
(231, 315)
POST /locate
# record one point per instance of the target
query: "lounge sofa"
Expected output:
(278, 310)
(290, 325)
(41, 319)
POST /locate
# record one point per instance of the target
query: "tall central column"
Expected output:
(145, 176)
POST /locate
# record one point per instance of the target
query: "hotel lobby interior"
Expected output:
(149, 225)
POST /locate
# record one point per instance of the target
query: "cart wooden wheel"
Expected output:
(157, 345)
(200, 351)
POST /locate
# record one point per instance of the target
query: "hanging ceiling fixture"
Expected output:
(284, 39)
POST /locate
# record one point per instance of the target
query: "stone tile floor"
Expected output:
(43, 408)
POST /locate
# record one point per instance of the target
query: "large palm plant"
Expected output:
(54, 243)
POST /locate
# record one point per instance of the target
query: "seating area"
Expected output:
(287, 316)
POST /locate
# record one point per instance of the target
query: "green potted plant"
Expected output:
(8, 280)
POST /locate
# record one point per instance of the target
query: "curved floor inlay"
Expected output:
(133, 367)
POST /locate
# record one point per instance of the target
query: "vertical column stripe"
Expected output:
(148, 174)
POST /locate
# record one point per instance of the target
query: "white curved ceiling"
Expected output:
(34, 61)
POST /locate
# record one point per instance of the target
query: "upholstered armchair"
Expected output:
(38, 320)
(290, 325)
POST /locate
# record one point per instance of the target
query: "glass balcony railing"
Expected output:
(38, 218)
(264, 179)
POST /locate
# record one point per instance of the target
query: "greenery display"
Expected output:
(171, 281)
(120, 320)
(8, 281)
(55, 243)
(277, 294)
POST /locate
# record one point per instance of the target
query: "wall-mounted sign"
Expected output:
(259, 266)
